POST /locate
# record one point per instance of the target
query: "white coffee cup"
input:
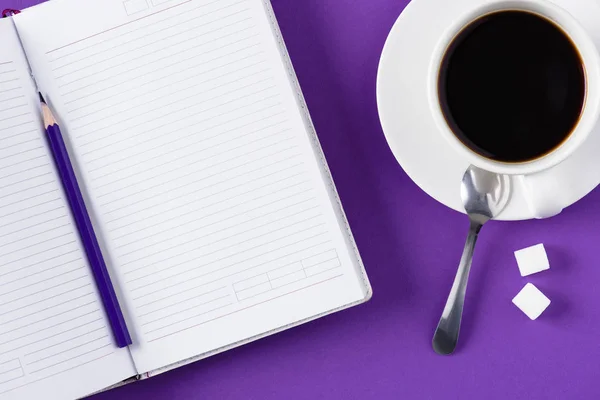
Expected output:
(534, 174)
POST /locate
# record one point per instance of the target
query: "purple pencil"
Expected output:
(85, 228)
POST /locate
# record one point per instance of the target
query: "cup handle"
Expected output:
(543, 199)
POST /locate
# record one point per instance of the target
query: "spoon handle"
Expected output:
(446, 334)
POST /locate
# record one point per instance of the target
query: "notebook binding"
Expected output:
(9, 12)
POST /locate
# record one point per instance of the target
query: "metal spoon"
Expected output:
(484, 195)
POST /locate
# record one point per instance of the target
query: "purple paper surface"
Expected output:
(411, 246)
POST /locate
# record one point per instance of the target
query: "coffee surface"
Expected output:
(512, 86)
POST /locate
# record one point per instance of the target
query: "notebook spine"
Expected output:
(9, 12)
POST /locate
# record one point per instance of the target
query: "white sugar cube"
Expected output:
(532, 260)
(531, 301)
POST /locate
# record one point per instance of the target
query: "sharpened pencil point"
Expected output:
(42, 98)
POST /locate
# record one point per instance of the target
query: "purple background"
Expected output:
(411, 246)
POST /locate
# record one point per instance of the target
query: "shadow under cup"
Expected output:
(512, 86)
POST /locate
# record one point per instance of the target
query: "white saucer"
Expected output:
(411, 132)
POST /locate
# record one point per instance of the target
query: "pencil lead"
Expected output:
(42, 98)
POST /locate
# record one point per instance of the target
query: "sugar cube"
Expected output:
(532, 259)
(531, 301)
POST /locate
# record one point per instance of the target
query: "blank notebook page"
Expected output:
(55, 341)
(199, 168)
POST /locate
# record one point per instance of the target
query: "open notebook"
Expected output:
(207, 186)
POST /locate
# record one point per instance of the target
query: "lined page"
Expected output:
(54, 340)
(202, 177)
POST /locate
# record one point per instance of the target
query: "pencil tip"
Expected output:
(42, 98)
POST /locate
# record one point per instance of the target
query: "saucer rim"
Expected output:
(515, 211)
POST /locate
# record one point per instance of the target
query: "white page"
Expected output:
(202, 177)
(54, 338)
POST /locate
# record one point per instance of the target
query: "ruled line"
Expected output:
(220, 221)
(8, 362)
(40, 272)
(171, 112)
(12, 165)
(168, 124)
(189, 66)
(5, 303)
(163, 38)
(199, 180)
(12, 116)
(25, 170)
(40, 252)
(34, 215)
(272, 270)
(17, 125)
(44, 202)
(239, 233)
(187, 184)
(235, 264)
(154, 24)
(12, 98)
(286, 275)
(150, 73)
(154, 61)
(173, 295)
(240, 310)
(324, 271)
(5, 138)
(49, 308)
(116, 27)
(12, 379)
(35, 245)
(105, 336)
(166, 153)
(9, 80)
(37, 233)
(121, 71)
(66, 341)
(161, 136)
(46, 299)
(212, 263)
(9, 90)
(58, 334)
(47, 328)
(13, 108)
(10, 370)
(253, 286)
(202, 160)
(180, 100)
(58, 373)
(228, 238)
(179, 110)
(31, 226)
(72, 358)
(179, 312)
(28, 188)
(47, 318)
(19, 144)
(37, 283)
(38, 263)
(188, 318)
(197, 200)
(25, 180)
(154, 89)
(22, 152)
(217, 251)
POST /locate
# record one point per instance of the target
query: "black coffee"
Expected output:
(512, 86)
